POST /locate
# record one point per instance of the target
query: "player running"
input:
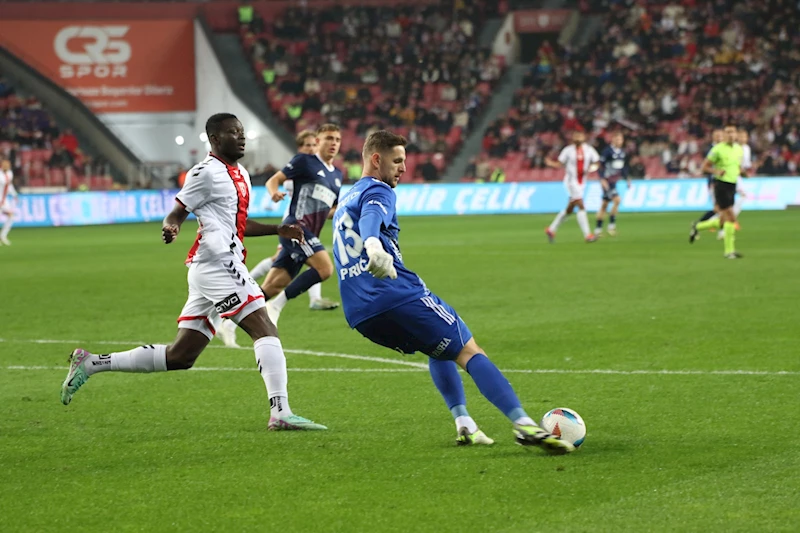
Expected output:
(8, 197)
(580, 159)
(613, 167)
(316, 191)
(306, 144)
(726, 160)
(391, 306)
(743, 139)
(217, 190)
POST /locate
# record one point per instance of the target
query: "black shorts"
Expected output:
(724, 194)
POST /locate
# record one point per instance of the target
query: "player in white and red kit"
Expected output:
(579, 159)
(8, 196)
(218, 191)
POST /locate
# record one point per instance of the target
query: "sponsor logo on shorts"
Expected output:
(230, 302)
(441, 347)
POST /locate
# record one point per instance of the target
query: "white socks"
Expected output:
(583, 222)
(525, 421)
(279, 301)
(558, 220)
(261, 269)
(6, 227)
(272, 365)
(466, 422)
(150, 358)
(315, 292)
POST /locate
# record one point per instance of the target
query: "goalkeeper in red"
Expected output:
(391, 306)
(724, 161)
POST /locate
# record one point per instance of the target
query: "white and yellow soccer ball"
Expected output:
(565, 423)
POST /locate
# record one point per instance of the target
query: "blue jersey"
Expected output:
(363, 295)
(316, 188)
(613, 165)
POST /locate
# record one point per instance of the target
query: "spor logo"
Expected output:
(95, 51)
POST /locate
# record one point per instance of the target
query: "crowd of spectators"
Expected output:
(40, 152)
(415, 69)
(666, 75)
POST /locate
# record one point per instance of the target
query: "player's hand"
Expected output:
(292, 232)
(381, 263)
(169, 232)
(278, 196)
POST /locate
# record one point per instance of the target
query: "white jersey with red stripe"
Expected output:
(576, 161)
(7, 190)
(219, 195)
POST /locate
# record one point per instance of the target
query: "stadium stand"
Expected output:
(41, 153)
(665, 74)
(415, 69)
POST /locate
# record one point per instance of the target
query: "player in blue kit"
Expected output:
(613, 167)
(391, 306)
(316, 190)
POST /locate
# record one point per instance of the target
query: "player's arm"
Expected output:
(277, 179)
(626, 170)
(376, 211)
(287, 231)
(194, 194)
(552, 163)
(173, 221)
(708, 168)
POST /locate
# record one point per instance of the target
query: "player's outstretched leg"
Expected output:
(271, 363)
(179, 355)
(445, 377)
(496, 388)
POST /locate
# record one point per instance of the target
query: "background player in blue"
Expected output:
(316, 190)
(613, 167)
(391, 306)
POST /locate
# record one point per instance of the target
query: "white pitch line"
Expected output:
(234, 369)
(248, 348)
(415, 367)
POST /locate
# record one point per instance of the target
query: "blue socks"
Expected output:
(495, 387)
(445, 377)
(302, 283)
(707, 215)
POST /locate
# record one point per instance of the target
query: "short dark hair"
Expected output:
(381, 141)
(214, 122)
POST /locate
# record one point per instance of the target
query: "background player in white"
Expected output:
(217, 191)
(8, 197)
(579, 159)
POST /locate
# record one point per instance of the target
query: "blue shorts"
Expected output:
(427, 325)
(293, 255)
(611, 193)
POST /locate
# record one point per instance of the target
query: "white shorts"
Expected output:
(575, 189)
(7, 207)
(217, 288)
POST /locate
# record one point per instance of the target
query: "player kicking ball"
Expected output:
(579, 159)
(218, 192)
(391, 306)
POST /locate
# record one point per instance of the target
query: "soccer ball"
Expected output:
(565, 423)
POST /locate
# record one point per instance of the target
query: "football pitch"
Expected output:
(684, 366)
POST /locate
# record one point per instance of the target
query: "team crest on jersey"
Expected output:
(242, 187)
(338, 182)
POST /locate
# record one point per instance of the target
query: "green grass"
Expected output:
(189, 451)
